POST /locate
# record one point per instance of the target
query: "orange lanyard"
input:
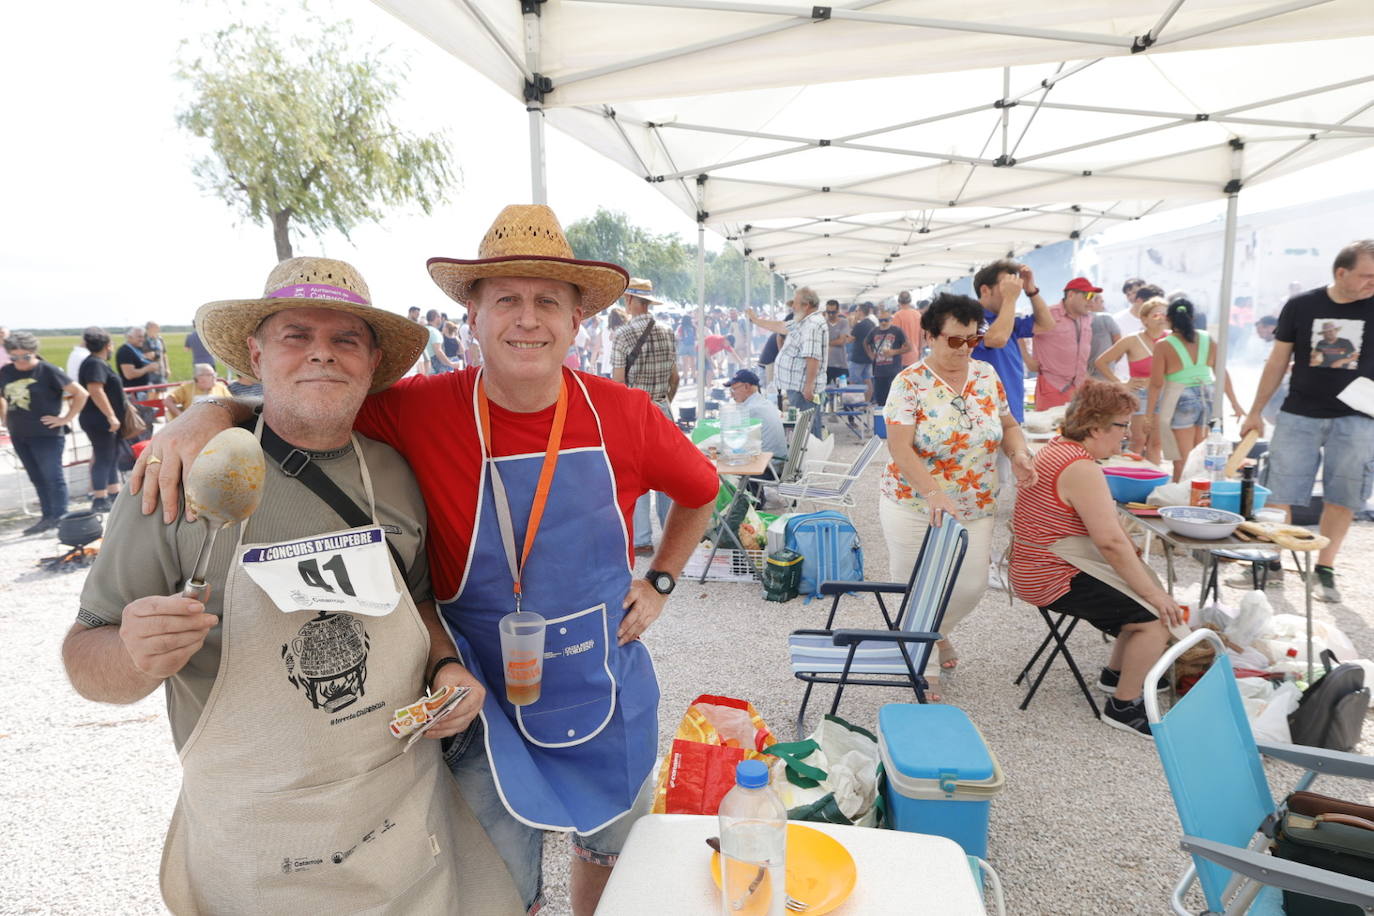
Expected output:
(541, 490)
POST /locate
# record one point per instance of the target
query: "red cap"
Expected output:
(1292, 653)
(1082, 285)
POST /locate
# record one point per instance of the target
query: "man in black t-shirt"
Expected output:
(1322, 333)
(885, 347)
(861, 325)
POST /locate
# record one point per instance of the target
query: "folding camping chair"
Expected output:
(1213, 767)
(827, 486)
(1059, 635)
(842, 657)
(796, 449)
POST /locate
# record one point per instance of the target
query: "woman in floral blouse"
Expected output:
(947, 416)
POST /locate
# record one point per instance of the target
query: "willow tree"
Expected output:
(299, 130)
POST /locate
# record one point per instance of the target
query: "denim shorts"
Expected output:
(1194, 408)
(1343, 447)
(860, 372)
(1143, 396)
(520, 845)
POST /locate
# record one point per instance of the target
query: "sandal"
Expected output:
(949, 657)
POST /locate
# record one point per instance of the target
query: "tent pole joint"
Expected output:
(1233, 186)
(1236, 143)
(530, 7)
(1143, 43)
(537, 88)
(1004, 161)
(1006, 103)
(820, 13)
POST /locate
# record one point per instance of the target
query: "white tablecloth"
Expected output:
(665, 869)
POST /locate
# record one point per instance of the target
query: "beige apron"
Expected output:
(295, 797)
(1081, 553)
(1168, 400)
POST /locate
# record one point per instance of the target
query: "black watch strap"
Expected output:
(653, 578)
(434, 672)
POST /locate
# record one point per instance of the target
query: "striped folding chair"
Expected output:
(898, 654)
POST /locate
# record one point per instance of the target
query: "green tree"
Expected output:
(610, 236)
(299, 131)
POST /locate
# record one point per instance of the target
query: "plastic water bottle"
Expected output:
(1216, 454)
(753, 844)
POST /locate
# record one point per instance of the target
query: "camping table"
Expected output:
(856, 417)
(665, 869)
(1156, 527)
(756, 466)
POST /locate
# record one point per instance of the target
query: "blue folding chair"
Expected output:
(842, 657)
(1212, 763)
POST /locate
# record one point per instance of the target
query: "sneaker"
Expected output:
(100, 504)
(1326, 585)
(43, 524)
(995, 579)
(1245, 582)
(1108, 680)
(1129, 717)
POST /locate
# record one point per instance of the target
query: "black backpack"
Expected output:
(1331, 711)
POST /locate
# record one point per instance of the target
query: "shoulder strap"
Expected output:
(639, 345)
(296, 463)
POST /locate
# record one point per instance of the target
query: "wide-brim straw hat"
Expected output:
(526, 240)
(643, 289)
(225, 326)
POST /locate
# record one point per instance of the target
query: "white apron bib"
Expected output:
(295, 797)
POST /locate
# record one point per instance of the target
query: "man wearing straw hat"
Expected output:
(642, 357)
(281, 680)
(530, 483)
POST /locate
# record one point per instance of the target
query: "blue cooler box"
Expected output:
(941, 776)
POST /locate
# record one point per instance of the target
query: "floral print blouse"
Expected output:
(957, 435)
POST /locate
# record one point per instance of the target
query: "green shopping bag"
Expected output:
(832, 776)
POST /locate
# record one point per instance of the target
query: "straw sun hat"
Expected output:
(643, 289)
(225, 326)
(527, 241)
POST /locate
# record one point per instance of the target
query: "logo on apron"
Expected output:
(328, 660)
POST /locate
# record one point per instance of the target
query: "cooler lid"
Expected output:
(933, 741)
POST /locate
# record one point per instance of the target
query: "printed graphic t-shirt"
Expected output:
(31, 395)
(886, 342)
(1330, 350)
(647, 452)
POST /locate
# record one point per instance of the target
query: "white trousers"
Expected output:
(904, 528)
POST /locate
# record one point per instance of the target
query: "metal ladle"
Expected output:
(224, 486)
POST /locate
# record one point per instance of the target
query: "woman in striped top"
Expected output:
(1068, 500)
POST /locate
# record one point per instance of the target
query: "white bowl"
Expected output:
(1201, 522)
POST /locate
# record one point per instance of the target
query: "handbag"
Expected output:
(832, 776)
(1328, 833)
(132, 425)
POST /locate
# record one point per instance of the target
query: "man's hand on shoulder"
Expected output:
(166, 461)
(161, 633)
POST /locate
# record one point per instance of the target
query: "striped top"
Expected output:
(1039, 519)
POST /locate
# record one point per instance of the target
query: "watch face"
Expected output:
(663, 583)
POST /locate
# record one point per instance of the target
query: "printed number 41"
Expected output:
(310, 573)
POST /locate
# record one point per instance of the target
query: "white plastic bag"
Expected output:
(1253, 619)
(1215, 614)
(841, 762)
(1270, 723)
(1169, 494)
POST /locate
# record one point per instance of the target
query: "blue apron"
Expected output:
(574, 759)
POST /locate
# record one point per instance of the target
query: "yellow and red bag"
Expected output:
(715, 734)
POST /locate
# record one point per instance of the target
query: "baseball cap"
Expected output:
(744, 376)
(1082, 285)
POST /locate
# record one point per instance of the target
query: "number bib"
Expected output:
(343, 572)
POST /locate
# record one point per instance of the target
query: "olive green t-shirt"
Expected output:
(141, 556)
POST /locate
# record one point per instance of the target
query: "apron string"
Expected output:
(541, 492)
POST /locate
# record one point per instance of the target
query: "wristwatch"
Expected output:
(663, 582)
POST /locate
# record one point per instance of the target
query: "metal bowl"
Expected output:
(1200, 522)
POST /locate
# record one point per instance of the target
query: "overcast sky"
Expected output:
(104, 223)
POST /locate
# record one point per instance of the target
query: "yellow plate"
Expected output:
(820, 872)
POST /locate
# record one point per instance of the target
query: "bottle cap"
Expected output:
(1292, 653)
(752, 774)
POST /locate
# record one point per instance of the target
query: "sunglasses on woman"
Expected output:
(970, 341)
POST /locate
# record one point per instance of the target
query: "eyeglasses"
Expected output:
(965, 419)
(1090, 295)
(23, 357)
(970, 341)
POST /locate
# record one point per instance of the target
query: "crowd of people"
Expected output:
(558, 460)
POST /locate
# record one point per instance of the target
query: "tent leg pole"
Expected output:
(745, 352)
(539, 188)
(701, 298)
(1228, 266)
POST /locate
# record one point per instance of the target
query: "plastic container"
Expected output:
(1216, 454)
(1133, 485)
(1226, 495)
(753, 843)
(940, 775)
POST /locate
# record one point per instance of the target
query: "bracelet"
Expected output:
(441, 663)
(927, 496)
(1031, 294)
(220, 403)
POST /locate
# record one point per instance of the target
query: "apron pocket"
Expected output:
(344, 846)
(577, 693)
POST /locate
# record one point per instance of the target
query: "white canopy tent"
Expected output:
(874, 147)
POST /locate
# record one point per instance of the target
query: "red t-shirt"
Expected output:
(432, 422)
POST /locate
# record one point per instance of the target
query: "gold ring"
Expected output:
(154, 460)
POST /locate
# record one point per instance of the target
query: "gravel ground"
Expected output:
(87, 838)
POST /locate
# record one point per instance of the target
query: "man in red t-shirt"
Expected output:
(530, 484)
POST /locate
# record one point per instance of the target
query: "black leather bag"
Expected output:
(1332, 710)
(1327, 833)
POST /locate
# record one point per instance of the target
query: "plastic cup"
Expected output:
(522, 656)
